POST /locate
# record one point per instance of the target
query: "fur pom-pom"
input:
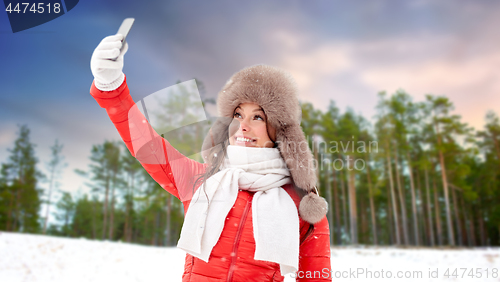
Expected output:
(313, 208)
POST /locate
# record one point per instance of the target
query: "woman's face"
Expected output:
(252, 131)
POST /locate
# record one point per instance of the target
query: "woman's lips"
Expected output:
(244, 140)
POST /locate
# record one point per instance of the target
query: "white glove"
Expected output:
(108, 74)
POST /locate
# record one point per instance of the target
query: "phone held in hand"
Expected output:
(124, 30)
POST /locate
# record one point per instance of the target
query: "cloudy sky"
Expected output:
(346, 51)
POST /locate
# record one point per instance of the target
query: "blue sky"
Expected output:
(341, 50)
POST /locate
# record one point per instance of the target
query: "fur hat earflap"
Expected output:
(312, 208)
(275, 91)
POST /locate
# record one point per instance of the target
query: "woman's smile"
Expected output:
(244, 141)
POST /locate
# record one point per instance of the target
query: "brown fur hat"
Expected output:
(275, 91)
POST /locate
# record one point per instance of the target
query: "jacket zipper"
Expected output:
(237, 242)
(191, 270)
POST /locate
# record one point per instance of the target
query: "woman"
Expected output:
(252, 212)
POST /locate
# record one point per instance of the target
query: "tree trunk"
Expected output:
(467, 223)
(112, 212)
(105, 209)
(94, 227)
(390, 224)
(472, 225)
(144, 233)
(48, 201)
(497, 146)
(330, 211)
(168, 237)
(156, 227)
(344, 205)
(421, 210)
(481, 226)
(451, 237)
(315, 149)
(17, 217)
(420, 218)
(76, 228)
(372, 204)
(363, 227)
(131, 225)
(499, 233)
(352, 203)
(126, 229)
(401, 199)
(413, 201)
(66, 223)
(429, 209)
(457, 217)
(17, 186)
(9, 213)
(337, 208)
(437, 214)
(125, 225)
(393, 197)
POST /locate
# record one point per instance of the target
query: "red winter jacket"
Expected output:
(232, 257)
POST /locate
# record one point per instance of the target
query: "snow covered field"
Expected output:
(25, 257)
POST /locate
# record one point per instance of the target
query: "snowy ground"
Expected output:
(26, 257)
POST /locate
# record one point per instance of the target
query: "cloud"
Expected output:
(313, 65)
(351, 72)
(7, 135)
(438, 75)
(469, 80)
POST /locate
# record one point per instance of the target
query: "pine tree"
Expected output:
(66, 208)
(348, 135)
(132, 168)
(404, 116)
(104, 172)
(447, 128)
(328, 132)
(54, 167)
(20, 195)
(384, 128)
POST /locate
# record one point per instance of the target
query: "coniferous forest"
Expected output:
(414, 175)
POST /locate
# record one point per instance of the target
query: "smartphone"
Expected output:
(124, 29)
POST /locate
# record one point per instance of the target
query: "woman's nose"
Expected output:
(244, 125)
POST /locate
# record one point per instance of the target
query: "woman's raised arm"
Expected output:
(172, 170)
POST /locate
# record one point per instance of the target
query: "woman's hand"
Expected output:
(108, 74)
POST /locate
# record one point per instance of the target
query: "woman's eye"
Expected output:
(259, 117)
(237, 115)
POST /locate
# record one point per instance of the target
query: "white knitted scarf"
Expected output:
(274, 214)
